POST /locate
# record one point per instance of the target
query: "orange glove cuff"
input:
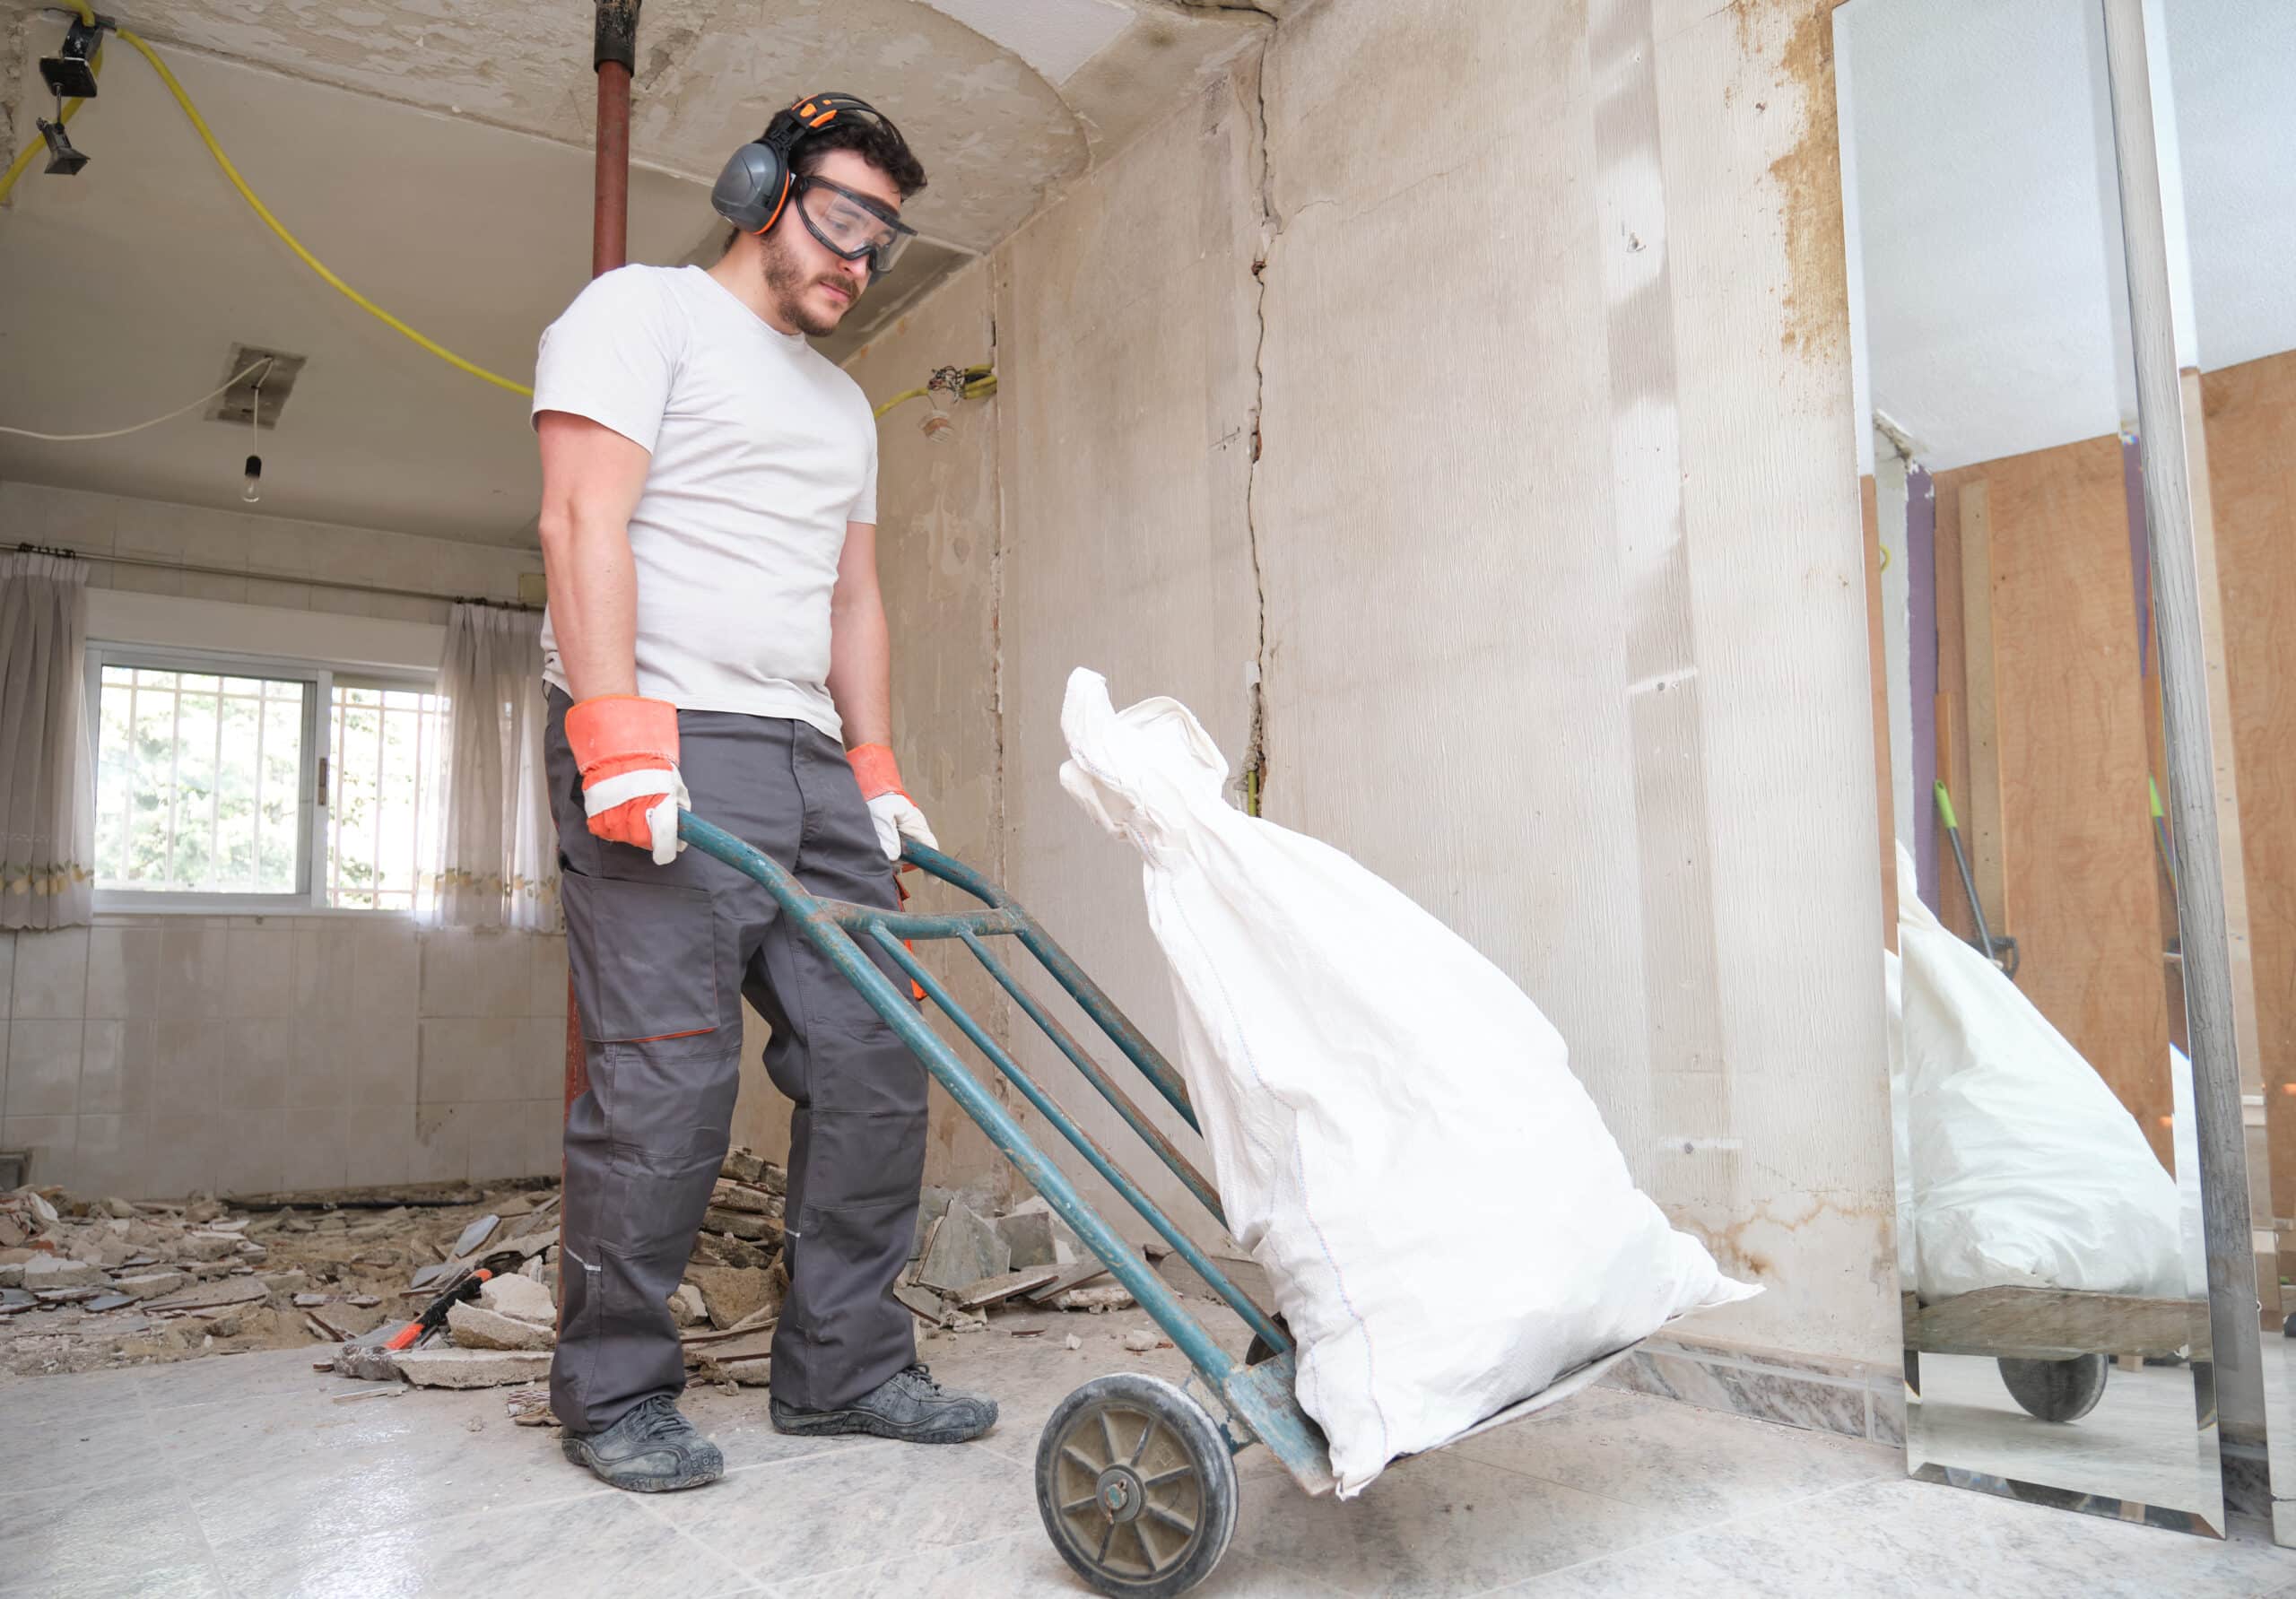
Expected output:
(615, 733)
(874, 769)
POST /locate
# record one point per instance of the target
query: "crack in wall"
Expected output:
(1255, 774)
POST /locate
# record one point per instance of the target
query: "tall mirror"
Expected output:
(2225, 118)
(2057, 1331)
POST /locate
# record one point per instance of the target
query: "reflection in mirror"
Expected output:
(2055, 1286)
(2227, 128)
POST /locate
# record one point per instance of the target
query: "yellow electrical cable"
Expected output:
(901, 399)
(199, 125)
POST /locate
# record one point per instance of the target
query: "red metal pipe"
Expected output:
(613, 53)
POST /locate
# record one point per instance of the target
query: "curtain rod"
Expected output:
(224, 571)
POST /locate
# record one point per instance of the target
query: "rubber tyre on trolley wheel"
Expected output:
(2057, 1390)
(1136, 1487)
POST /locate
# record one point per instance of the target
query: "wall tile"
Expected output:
(51, 974)
(497, 1142)
(473, 1058)
(40, 515)
(254, 1160)
(184, 1067)
(262, 972)
(7, 975)
(109, 1155)
(378, 1059)
(251, 1072)
(449, 973)
(379, 1145)
(387, 970)
(122, 971)
(503, 979)
(195, 973)
(544, 1121)
(276, 546)
(5, 1029)
(279, 596)
(146, 528)
(144, 579)
(325, 969)
(47, 1139)
(441, 1152)
(543, 1060)
(546, 975)
(318, 1149)
(43, 1069)
(206, 585)
(103, 1068)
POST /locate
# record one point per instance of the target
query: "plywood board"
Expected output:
(2250, 413)
(1981, 809)
(2075, 845)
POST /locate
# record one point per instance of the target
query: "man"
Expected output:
(715, 629)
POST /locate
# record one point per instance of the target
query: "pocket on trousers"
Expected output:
(644, 956)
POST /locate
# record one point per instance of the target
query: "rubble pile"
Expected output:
(87, 1283)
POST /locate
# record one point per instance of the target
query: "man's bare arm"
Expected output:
(860, 652)
(591, 479)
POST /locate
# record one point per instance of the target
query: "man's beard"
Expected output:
(787, 281)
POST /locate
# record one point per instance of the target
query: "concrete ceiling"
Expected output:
(438, 156)
(1987, 220)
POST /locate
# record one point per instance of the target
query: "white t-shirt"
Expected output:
(762, 452)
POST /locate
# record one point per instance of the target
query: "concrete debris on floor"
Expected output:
(89, 1283)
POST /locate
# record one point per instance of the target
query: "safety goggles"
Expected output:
(851, 225)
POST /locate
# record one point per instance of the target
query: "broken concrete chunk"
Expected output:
(530, 1407)
(732, 1294)
(213, 1296)
(65, 1296)
(210, 1246)
(996, 1290)
(1071, 1276)
(965, 1250)
(1029, 1236)
(1141, 1340)
(121, 1208)
(1073, 1342)
(57, 1271)
(732, 1195)
(746, 1166)
(475, 1234)
(14, 1300)
(308, 1301)
(148, 1284)
(472, 1368)
(687, 1306)
(475, 1326)
(743, 1224)
(522, 1298)
(1096, 1301)
(923, 1303)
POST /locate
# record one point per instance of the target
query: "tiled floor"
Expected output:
(254, 1476)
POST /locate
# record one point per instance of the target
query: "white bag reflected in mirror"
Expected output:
(1394, 1126)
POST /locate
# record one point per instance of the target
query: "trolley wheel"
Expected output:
(1136, 1487)
(2057, 1390)
(1261, 1349)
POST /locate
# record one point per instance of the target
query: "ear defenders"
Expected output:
(755, 184)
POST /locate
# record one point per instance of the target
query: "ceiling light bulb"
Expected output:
(253, 492)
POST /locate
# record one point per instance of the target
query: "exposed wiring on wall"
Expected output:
(207, 138)
(139, 427)
(963, 383)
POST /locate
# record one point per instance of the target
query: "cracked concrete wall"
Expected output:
(1555, 518)
(1566, 610)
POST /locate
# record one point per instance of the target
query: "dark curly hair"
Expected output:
(877, 143)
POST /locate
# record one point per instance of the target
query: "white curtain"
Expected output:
(48, 812)
(498, 851)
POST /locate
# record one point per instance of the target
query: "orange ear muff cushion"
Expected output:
(779, 202)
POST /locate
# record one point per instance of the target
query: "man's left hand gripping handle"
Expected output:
(627, 748)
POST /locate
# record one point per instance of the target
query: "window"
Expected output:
(384, 742)
(221, 786)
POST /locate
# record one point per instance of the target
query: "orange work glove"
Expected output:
(627, 748)
(893, 812)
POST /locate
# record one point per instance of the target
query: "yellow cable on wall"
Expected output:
(199, 125)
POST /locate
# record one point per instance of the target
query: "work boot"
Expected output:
(908, 1406)
(651, 1449)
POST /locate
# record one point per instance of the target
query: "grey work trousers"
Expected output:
(662, 959)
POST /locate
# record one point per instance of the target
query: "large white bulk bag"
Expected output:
(1447, 1224)
(2027, 1169)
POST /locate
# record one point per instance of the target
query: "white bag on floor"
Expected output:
(2027, 1169)
(1394, 1126)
